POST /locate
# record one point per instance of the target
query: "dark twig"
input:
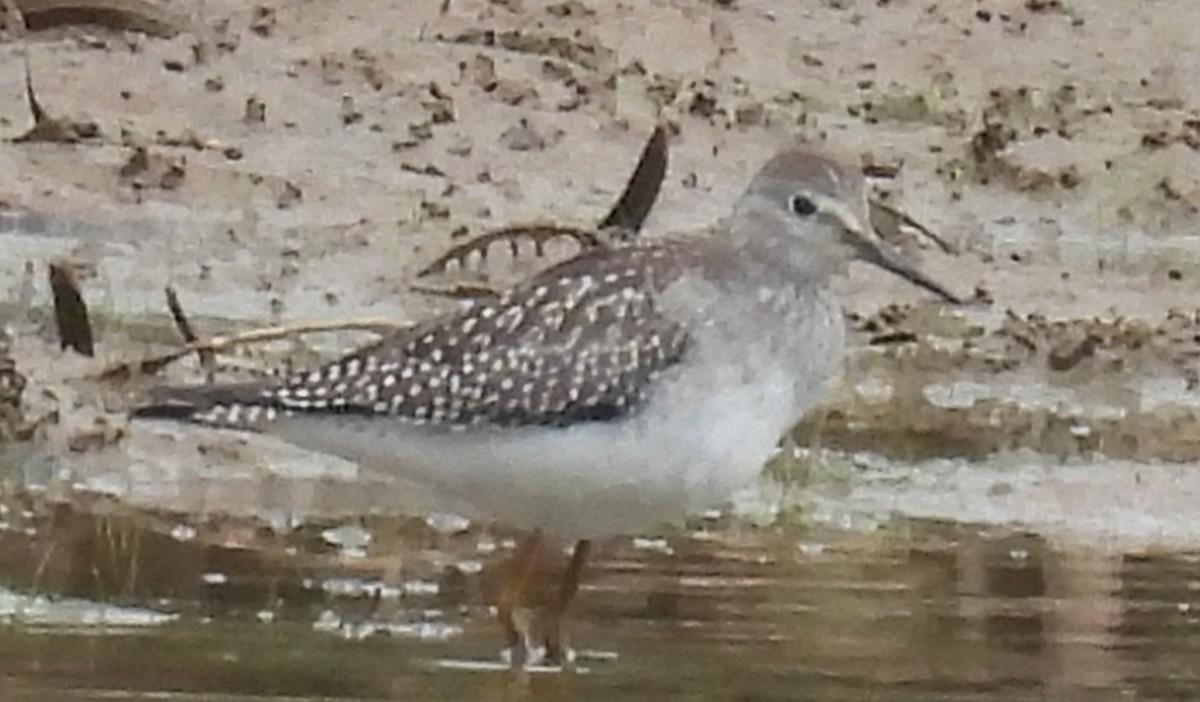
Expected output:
(635, 203)
(47, 129)
(208, 360)
(70, 311)
(181, 321)
(35, 107)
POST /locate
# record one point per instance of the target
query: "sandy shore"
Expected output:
(308, 158)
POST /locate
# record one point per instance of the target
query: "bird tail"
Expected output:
(233, 406)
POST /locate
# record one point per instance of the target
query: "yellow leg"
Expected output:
(557, 644)
(512, 595)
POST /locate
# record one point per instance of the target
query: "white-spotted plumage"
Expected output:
(625, 386)
(502, 362)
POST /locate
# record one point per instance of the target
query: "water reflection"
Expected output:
(913, 611)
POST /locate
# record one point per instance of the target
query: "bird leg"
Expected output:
(513, 618)
(557, 643)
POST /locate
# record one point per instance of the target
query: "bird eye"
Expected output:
(803, 206)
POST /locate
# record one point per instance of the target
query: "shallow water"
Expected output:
(104, 603)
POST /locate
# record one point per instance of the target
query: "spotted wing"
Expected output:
(581, 341)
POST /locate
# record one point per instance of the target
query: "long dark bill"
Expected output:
(887, 258)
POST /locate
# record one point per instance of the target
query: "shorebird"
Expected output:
(623, 388)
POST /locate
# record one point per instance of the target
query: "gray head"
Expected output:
(800, 197)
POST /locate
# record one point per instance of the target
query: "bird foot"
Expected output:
(563, 656)
(522, 657)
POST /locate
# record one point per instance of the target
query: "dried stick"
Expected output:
(878, 208)
(153, 364)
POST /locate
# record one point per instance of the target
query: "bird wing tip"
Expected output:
(163, 410)
(189, 402)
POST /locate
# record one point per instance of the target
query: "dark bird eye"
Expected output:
(803, 206)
